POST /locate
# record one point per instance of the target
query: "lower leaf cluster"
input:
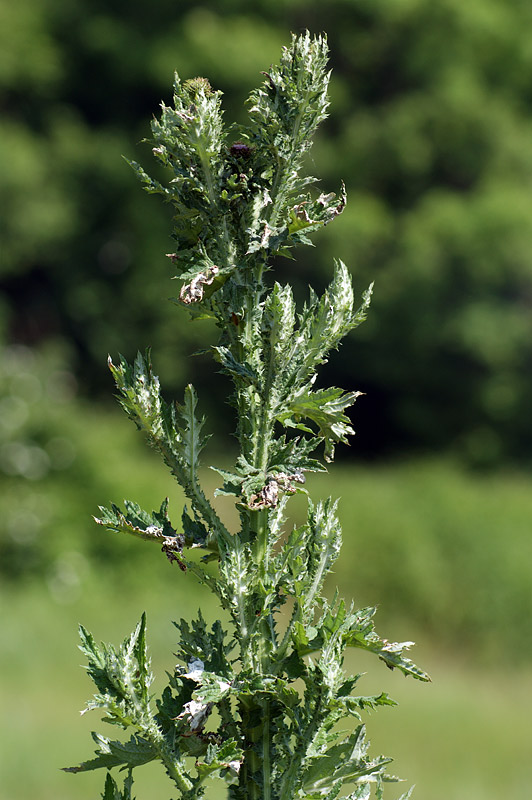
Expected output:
(211, 721)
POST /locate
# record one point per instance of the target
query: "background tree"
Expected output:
(430, 128)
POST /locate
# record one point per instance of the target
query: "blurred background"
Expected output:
(430, 127)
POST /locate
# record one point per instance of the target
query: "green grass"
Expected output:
(446, 555)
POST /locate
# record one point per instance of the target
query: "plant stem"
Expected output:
(171, 763)
(266, 754)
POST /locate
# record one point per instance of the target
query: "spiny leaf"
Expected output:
(225, 759)
(323, 544)
(151, 526)
(230, 366)
(180, 441)
(112, 792)
(342, 763)
(122, 676)
(279, 320)
(360, 632)
(133, 753)
(324, 407)
(211, 647)
(285, 113)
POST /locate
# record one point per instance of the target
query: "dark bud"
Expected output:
(240, 150)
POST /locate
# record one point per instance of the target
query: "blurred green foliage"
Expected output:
(430, 128)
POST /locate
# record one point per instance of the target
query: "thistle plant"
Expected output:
(257, 704)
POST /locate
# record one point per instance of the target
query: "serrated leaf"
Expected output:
(133, 753)
(150, 184)
(225, 759)
(342, 763)
(134, 520)
(407, 795)
(122, 676)
(210, 646)
(323, 544)
(360, 632)
(279, 320)
(140, 392)
(137, 652)
(310, 215)
(232, 483)
(194, 531)
(191, 434)
(174, 430)
(371, 702)
(325, 407)
(284, 113)
(278, 688)
(230, 366)
(111, 791)
(389, 652)
(291, 455)
(362, 793)
(326, 321)
(211, 688)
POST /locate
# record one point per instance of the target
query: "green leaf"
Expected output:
(360, 632)
(174, 430)
(134, 520)
(325, 408)
(407, 795)
(293, 99)
(140, 393)
(211, 647)
(362, 793)
(112, 792)
(150, 184)
(191, 434)
(133, 753)
(292, 359)
(195, 533)
(122, 676)
(291, 455)
(285, 113)
(323, 545)
(211, 688)
(370, 703)
(224, 759)
(137, 654)
(230, 366)
(342, 763)
(279, 321)
(326, 321)
(310, 215)
(232, 483)
(249, 685)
